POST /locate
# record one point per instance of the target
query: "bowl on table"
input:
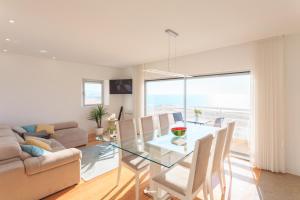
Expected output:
(178, 131)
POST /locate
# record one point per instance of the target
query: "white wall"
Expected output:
(229, 59)
(37, 90)
(292, 62)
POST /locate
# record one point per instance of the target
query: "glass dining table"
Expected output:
(165, 151)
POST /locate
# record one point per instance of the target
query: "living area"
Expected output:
(149, 100)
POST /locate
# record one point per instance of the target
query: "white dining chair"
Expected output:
(226, 153)
(215, 161)
(127, 139)
(147, 128)
(164, 123)
(185, 183)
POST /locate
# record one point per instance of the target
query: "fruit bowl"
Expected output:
(179, 131)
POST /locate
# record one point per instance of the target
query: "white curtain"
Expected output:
(268, 109)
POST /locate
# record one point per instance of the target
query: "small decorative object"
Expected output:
(197, 112)
(96, 114)
(112, 127)
(178, 131)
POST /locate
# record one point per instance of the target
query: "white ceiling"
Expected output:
(130, 32)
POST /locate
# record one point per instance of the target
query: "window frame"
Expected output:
(192, 77)
(84, 81)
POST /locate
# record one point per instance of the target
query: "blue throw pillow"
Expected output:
(29, 128)
(34, 151)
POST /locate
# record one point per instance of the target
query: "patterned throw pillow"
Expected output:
(30, 128)
(34, 151)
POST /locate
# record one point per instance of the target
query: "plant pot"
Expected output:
(99, 131)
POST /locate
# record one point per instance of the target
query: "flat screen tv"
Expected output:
(121, 86)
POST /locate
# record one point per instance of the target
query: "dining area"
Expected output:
(182, 158)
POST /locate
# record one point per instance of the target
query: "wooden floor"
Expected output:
(241, 187)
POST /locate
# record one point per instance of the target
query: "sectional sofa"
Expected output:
(25, 177)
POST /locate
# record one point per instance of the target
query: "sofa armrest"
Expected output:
(35, 165)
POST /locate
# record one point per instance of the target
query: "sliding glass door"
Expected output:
(164, 96)
(209, 98)
(222, 97)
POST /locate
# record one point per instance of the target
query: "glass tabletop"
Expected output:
(166, 150)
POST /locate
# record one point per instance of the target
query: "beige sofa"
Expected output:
(25, 177)
(69, 134)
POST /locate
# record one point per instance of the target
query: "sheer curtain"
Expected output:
(268, 109)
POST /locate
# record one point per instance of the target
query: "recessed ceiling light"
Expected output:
(53, 57)
(4, 50)
(7, 39)
(43, 51)
(11, 21)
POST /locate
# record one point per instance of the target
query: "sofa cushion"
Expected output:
(49, 161)
(19, 139)
(71, 137)
(9, 147)
(6, 133)
(4, 126)
(56, 146)
(65, 125)
(25, 155)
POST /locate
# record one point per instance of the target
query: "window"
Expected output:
(164, 96)
(217, 96)
(92, 92)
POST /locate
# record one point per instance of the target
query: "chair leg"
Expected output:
(221, 180)
(223, 174)
(210, 189)
(229, 164)
(119, 174)
(204, 191)
(137, 187)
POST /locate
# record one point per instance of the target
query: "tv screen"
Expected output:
(122, 86)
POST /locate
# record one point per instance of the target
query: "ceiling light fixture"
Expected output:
(171, 34)
(7, 39)
(43, 51)
(4, 50)
(11, 21)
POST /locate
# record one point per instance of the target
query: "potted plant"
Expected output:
(96, 114)
(197, 113)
